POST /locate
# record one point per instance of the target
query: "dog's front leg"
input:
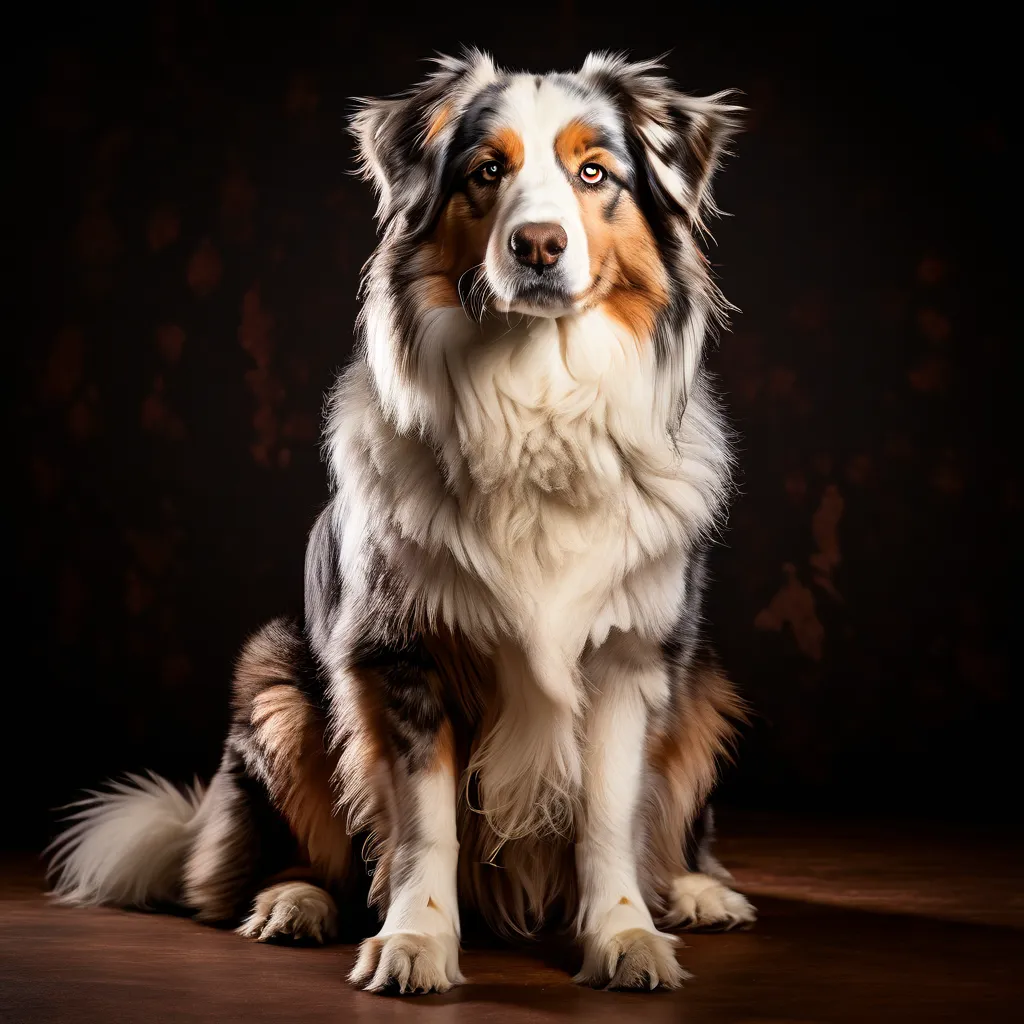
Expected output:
(622, 948)
(417, 949)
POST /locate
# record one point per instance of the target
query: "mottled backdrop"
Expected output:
(187, 243)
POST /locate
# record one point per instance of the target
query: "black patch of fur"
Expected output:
(699, 839)
(406, 673)
(612, 204)
(681, 646)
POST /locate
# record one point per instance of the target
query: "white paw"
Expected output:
(409, 962)
(699, 901)
(296, 910)
(634, 958)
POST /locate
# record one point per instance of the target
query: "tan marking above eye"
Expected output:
(573, 142)
(504, 147)
(576, 149)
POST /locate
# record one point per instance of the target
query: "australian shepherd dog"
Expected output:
(498, 695)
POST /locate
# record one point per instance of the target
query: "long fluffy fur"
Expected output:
(126, 844)
(501, 644)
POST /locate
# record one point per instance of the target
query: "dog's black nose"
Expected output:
(538, 245)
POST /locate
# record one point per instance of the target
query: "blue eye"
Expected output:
(490, 172)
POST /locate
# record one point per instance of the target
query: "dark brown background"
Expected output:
(187, 247)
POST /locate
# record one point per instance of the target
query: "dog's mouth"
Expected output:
(550, 298)
(540, 298)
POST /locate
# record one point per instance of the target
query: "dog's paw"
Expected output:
(634, 958)
(699, 901)
(407, 962)
(292, 910)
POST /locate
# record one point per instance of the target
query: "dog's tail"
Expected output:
(126, 845)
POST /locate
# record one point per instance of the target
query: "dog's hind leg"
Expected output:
(270, 845)
(685, 883)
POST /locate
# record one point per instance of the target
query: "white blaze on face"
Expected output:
(540, 191)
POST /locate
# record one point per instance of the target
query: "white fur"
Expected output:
(417, 947)
(521, 527)
(699, 901)
(626, 682)
(533, 727)
(532, 480)
(540, 192)
(538, 482)
(126, 845)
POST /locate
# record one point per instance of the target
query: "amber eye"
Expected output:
(489, 173)
(592, 174)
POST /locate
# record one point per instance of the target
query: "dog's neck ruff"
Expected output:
(560, 405)
(525, 466)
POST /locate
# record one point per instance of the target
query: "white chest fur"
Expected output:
(531, 489)
(571, 477)
(544, 493)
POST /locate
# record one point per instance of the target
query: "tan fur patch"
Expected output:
(269, 656)
(508, 147)
(577, 144)
(683, 758)
(631, 284)
(362, 776)
(442, 117)
(437, 286)
(444, 751)
(291, 733)
(459, 242)
(630, 280)
(573, 143)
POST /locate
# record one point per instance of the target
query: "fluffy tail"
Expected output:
(125, 845)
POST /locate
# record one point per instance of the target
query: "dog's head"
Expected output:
(543, 194)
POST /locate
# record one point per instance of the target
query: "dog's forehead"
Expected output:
(539, 107)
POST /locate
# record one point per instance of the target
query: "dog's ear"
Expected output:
(401, 141)
(682, 138)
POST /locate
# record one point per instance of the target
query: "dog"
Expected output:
(499, 683)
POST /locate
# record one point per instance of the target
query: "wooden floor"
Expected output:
(858, 923)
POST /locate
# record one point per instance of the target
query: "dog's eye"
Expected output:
(592, 174)
(489, 173)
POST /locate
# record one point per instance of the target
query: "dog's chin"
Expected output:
(537, 301)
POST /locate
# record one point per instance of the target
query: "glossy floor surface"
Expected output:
(858, 923)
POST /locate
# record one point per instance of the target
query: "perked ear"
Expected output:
(683, 137)
(401, 140)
